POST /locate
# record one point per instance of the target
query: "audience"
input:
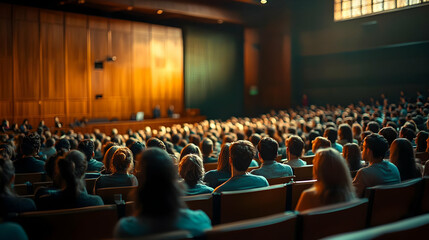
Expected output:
(206, 147)
(30, 146)
(270, 168)
(333, 184)
(353, 156)
(191, 169)
(295, 145)
(216, 177)
(159, 206)
(241, 154)
(402, 155)
(379, 171)
(87, 147)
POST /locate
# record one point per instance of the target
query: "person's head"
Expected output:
(158, 194)
(191, 169)
(353, 156)
(107, 159)
(195, 139)
(206, 146)
(223, 159)
(175, 139)
(87, 147)
(408, 133)
(155, 142)
(421, 139)
(320, 142)
(374, 148)
(50, 142)
(30, 144)
(334, 182)
(295, 145)
(241, 154)
(137, 148)
(345, 133)
(255, 138)
(356, 130)
(331, 134)
(122, 161)
(268, 148)
(71, 171)
(373, 127)
(190, 149)
(402, 155)
(389, 134)
(62, 146)
(7, 173)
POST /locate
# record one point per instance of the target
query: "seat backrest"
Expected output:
(108, 194)
(277, 226)
(249, 169)
(252, 203)
(29, 177)
(424, 206)
(37, 185)
(89, 184)
(294, 191)
(389, 203)
(332, 219)
(202, 202)
(410, 228)
(280, 180)
(423, 156)
(79, 223)
(210, 166)
(174, 235)
(303, 173)
(308, 159)
(22, 189)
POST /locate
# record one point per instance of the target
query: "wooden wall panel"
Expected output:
(6, 109)
(174, 68)
(52, 108)
(78, 108)
(6, 68)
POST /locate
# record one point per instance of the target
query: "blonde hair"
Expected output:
(191, 169)
(334, 182)
(320, 142)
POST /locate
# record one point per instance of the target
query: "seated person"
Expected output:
(30, 146)
(71, 171)
(107, 159)
(160, 207)
(206, 147)
(11, 230)
(241, 154)
(49, 149)
(334, 184)
(9, 201)
(379, 171)
(319, 143)
(218, 176)
(86, 146)
(268, 148)
(353, 156)
(402, 155)
(331, 134)
(192, 171)
(122, 164)
(294, 145)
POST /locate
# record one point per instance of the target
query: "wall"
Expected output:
(47, 66)
(342, 62)
(214, 70)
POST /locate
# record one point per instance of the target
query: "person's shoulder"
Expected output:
(259, 178)
(197, 216)
(130, 227)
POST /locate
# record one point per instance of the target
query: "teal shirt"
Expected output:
(198, 189)
(242, 182)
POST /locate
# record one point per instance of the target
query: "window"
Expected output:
(346, 9)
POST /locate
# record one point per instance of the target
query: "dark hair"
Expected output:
(137, 148)
(389, 133)
(223, 159)
(158, 195)
(191, 169)
(155, 142)
(402, 155)
(86, 146)
(6, 174)
(206, 146)
(175, 139)
(331, 134)
(345, 132)
(254, 139)
(122, 160)
(63, 145)
(353, 156)
(268, 148)
(30, 144)
(422, 136)
(373, 127)
(50, 142)
(190, 149)
(195, 139)
(378, 145)
(71, 170)
(241, 154)
(295, 145)
(407, 133)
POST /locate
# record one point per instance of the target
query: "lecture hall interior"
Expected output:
(214, 119)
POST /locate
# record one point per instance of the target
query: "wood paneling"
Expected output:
(47, 66)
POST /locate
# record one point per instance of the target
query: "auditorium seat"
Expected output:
(280, 180)
(108, 194)
(37, 185)
(89, 184)
(251, 203)
(210, 166)
(30, 177)
(303, 173)
(80, 223)
(294, 191)
(23, 189)
(424, 206)
(389, 203)
(277, 226)
(422, 156)
(332, 219)
(411, 228)
(174, 235)
(308, 159)
(202, 202)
